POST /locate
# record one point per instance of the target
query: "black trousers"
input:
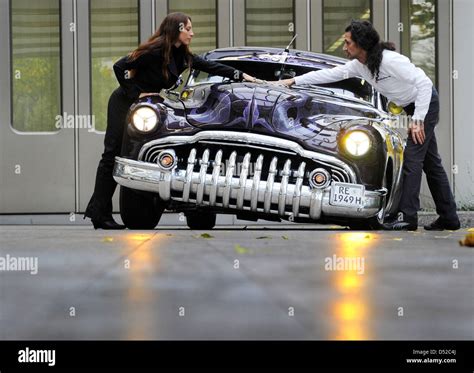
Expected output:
(100, 204)
(425, 157)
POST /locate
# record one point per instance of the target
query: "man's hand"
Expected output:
(284, 82)
(417, 131)
(249, 78)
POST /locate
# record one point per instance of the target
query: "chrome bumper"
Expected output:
(290, 198)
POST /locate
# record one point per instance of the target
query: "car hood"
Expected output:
(307, 117)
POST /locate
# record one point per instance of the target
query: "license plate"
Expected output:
(343, 194)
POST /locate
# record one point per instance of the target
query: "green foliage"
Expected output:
(423, 15)
(36, 93)
(103, 84)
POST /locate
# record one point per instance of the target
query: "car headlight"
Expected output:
(145, 119)
(357, 143)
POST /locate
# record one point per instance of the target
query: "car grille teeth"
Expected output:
(228, 176)
(204, 183)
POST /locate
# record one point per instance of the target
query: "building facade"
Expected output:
(56, 76)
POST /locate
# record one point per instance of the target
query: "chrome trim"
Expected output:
(288, 196)
(172, 153)
(202, 177)
(189, 175)
(228, 179)
(328, 178)
(215, 177)
(256, 183)
(284, 187)
(297, 194)
(243, 181)
(269, 186)
(250, 139)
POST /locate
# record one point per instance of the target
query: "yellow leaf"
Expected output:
(240, 249)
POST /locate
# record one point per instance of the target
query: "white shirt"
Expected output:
(399, 80)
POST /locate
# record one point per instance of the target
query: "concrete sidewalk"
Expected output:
(264, 282)
(172, 220)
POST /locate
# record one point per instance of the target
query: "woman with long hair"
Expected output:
(154, 65)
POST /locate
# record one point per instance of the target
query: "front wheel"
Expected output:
(140, 210)
(200, 220)
(371, 224)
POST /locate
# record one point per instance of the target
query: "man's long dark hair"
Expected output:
(367, 38)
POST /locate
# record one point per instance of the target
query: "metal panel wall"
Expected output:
(463, 102)
(37, 169)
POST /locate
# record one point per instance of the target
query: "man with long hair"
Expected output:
(395, 77)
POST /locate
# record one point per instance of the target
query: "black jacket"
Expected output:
(149, 75)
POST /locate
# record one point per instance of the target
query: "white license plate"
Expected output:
(343, 194)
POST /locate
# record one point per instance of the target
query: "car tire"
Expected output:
(140, 210)
(371, 224)
(200, 220)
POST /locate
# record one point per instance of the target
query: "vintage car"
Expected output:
(319, 153)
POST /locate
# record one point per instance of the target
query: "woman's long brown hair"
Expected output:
(164, 38)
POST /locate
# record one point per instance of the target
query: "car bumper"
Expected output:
(262, 196)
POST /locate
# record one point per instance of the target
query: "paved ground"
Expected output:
(275, 282)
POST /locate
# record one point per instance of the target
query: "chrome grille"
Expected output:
(230, 176)
(184, 152)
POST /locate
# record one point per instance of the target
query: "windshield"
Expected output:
(352, 88)
(201, 77)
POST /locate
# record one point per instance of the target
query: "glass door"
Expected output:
(109, 29)
(37, 111)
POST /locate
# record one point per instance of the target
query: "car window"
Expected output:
(201, 77)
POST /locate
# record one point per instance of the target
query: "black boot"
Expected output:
(106, 223)
(99, 219)
(441, 224)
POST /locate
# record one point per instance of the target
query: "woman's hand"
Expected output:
(146, 94)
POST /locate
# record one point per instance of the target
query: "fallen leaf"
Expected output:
(240, 249)
(206, 235)
(468, 240)
(397, 239)
(285, 237)
(107, 239)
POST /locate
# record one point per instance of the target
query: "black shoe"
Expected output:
(106, 223)
(400, 226)
(440, 225)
